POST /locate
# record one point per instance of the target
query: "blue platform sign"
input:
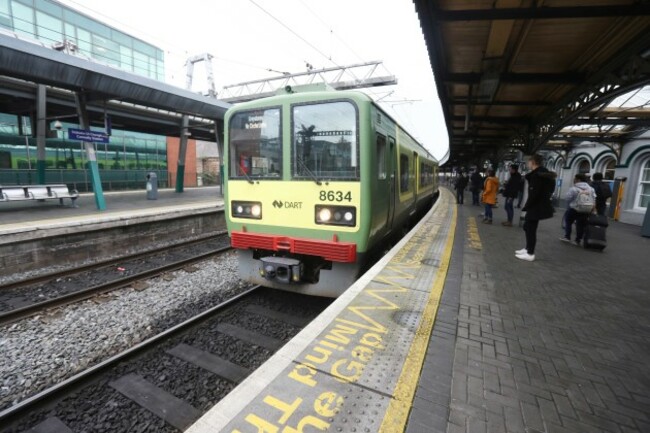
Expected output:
(87, 136)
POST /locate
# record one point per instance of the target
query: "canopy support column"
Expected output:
(91, 156)
(41, 124)
(182, 151)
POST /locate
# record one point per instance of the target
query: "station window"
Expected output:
(404, 173)
(5, 16)
(256, 144)
(584, 167)
(49, 28)
(23, 19)
(381, 157)
(643, 199)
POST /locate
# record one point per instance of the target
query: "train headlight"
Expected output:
(325, 215)
(336, 215)
(246, 209)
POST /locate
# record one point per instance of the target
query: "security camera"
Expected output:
(58, 125)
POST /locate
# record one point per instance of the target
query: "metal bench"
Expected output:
(37, 192)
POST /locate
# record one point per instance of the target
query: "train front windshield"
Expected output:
(256, 144)
(325, 143)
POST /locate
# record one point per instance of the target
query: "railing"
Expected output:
(112, 180)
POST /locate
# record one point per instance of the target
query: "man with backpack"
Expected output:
(582, 202)
(603, 192)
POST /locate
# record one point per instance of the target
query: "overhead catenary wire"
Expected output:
(375, 95)
(279, 21)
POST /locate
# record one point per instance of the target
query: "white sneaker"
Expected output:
(527, 257)
(521, 251)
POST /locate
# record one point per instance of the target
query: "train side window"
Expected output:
(381, 157)
(425, 174)
(404, 168)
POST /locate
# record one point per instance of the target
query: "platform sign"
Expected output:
(87, 136)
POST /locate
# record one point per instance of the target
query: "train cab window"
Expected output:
(325, 142)
(255, 142)
(381, 157)
(404, 168)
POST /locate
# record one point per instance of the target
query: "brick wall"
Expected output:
(173, 144)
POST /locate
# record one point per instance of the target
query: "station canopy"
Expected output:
(135, 102)
(524, 75)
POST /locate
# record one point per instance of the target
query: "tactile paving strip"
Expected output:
(348, 376)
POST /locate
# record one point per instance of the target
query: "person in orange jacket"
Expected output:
(489, 197)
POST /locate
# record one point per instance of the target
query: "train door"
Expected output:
(391, 167)
(416, 175)
(381, 201)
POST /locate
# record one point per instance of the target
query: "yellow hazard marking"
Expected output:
(472, 234)
(399, 407)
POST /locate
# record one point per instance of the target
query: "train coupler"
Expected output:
(281, 269)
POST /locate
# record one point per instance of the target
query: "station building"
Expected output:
(633, 165)
(129, 155)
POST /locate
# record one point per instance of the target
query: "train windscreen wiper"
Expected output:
(248, 178)
(309, 172)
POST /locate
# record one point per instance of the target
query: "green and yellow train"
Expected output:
(316, 182)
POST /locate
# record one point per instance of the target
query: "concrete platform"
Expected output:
(35, 236)
(451, 333)
(39, 219)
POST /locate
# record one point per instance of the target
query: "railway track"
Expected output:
(238, 329)
(44, 278)
(119, 281)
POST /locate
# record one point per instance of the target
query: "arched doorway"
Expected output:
(608, 168)
(583, 167)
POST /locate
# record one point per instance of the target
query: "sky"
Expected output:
(246, 42)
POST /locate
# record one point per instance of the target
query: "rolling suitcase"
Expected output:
(595, 233)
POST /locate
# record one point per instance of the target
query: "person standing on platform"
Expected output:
(603, 192)
(582, 201)
(489, 196)
(511, 192)
(476, 185)
(461, 184)
(538, 207)
(520, 195)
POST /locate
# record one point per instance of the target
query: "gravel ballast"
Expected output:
(98, 408)
(43, 350)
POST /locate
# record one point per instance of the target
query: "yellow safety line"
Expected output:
(399, 407)
(472, 234)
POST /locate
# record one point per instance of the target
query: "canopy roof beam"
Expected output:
(543, 12)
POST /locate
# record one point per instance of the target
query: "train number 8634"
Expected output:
(335, 196)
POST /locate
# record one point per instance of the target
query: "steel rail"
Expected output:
(69, 298)
(90, 266)
(14, 413)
